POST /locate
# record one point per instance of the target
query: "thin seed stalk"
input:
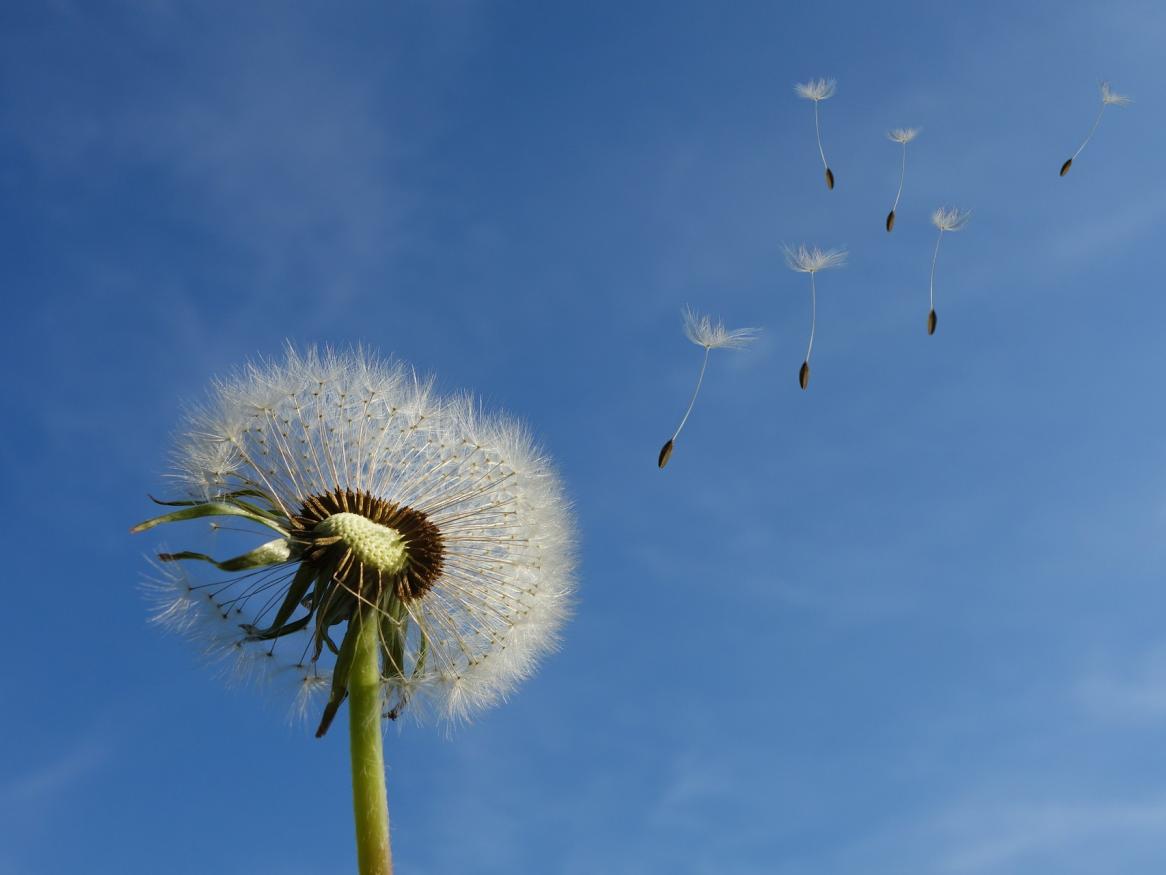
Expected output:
(931, 317)
(1089, 136)
(818, 134)
(934, 256)
(902, 176)
(369, 797)
(699, 381)
(813, 316)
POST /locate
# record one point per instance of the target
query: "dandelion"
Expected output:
(818, 90)
(945, 219)
(1108, 98)
(811, 259)
(703, 331)
(903, 136)
(421, 558)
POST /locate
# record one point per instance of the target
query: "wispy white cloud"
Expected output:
(1089, 235)
(843, 601)
(997, 836)
(697, 782)
(302, 158)
(48, 781)
(1134, 693)
(1006, 832)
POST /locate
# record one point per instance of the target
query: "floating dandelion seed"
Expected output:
(902, 136)
(422, 556)
(811, 259)
(945, 219)
(818, 90)
(703, 331)
(1108, 98)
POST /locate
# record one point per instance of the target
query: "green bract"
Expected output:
(345, 560)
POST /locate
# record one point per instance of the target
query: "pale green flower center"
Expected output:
(372, 544)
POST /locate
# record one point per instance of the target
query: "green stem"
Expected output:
(369, 799)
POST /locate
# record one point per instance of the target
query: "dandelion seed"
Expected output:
(945, 219)
(903, 136)
(811, 259)
(422, 557)
(1108, 98)
(818, 90)
(704, 332)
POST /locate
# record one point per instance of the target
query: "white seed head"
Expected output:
(903, 135)
(1109, 97)
(950, 218)
(817, 89)
(703, 331)
(369, 435)
(811, 259)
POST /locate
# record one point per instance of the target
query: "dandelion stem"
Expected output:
(695, 392)
(902, 176)
(818, 133)
(369, 798)
(1092, 131)
(934, 256)
(813, 315)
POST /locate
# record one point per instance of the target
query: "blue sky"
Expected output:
(908, 621)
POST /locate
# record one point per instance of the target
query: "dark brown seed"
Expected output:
(829, 179)
(1065, 167)
(931, 320)
(804, 375)
(890, 220)
(665, 454)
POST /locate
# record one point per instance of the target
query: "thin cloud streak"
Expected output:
(51, 780)
(1136, 694)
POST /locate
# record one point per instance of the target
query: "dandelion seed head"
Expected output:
(811, 259)
(704, 331)
(450, 524)
(950, 218)
(1109, 97)
(816, 89)
(903, 135)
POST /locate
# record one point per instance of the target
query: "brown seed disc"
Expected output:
(829, 179)
(1065, 167)
(423, 541)
(931, 321)
(665, 454)
(890, 220)
(804, 375)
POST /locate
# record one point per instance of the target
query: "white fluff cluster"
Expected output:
(817, 89)
(704, 331)
(811, 259)
(903, 135)
(1109, 97)
(950, 218)
(322, 421)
